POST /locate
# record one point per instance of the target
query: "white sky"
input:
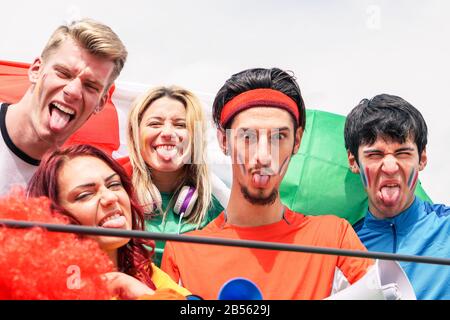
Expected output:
(341, 51)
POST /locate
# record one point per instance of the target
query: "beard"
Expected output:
(259, 200)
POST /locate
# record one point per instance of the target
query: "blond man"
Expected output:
(69, 82)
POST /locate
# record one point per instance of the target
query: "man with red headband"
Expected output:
(260, 117)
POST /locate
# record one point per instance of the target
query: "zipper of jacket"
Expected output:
(394, 231)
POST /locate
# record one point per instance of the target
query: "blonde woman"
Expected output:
(167, 162)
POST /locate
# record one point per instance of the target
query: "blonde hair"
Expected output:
(97, 38)
(196, 171)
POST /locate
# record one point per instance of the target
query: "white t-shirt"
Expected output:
(16, 168)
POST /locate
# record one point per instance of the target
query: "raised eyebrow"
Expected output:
(281, 129)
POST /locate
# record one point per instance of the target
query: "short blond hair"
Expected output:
(97, 38)
(196, 172)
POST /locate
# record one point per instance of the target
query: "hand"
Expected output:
(126, 287)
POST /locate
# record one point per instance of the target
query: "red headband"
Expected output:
(258, 98)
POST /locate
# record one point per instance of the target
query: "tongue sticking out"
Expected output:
(118, 222)
(166, 154)
(58, 119)
(390, 195)
(260, 181)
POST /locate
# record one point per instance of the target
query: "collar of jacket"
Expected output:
(402, 222)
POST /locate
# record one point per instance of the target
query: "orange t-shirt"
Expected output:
(203, 269)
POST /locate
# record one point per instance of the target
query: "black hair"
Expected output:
(386, 116)
(257, 78)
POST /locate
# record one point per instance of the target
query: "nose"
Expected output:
(108, 197)
(73, 89)
(263, 152)
(168, 132)
(389, 165)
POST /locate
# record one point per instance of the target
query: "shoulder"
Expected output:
(328, 221)
(441, 210)
(212, 229)
(325, 230)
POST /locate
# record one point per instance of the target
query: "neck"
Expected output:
(21, 130)
(167, 181)
(241, 212)
(112, 254)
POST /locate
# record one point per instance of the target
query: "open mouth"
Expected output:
(260, 180)
(166, 151)
(390, 193)
(113, 220)
(60, 116)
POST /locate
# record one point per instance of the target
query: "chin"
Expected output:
(109, 243)
(168, 167)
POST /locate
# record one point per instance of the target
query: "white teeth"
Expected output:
(114, 216)
(166, 147)
(64, 109)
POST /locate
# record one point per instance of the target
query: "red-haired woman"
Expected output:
(91, 189)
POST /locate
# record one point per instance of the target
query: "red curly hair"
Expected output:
(43, 265)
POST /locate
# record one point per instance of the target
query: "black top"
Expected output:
(22, 155)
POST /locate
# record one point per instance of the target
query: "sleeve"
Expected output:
(163, 281)
(353, 268)
(169, 264)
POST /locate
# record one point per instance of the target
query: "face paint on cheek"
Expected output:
(367, 173)
(412, 178)
(241, 165)
(364, 173)
(38, 85)
(283, 166)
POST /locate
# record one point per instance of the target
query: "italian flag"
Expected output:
(318, 180)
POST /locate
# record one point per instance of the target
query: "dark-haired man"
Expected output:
(260, 117)
(386, 139)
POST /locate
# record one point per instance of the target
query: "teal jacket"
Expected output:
(424, 230)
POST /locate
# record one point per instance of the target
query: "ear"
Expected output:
(297, 140)
(33, 70)
(354, 167)
(222, 139)
(423, 160)
(102, 102)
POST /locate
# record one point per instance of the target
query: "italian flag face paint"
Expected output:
(413, 178)
(241, 164)
(283, 166)
(364, 173)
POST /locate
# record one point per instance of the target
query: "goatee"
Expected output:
(259, 200)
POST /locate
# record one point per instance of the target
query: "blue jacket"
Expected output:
(424, 230)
